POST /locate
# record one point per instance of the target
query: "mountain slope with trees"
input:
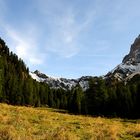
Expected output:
(104, 96)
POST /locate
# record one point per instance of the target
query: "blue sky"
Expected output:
(70, 38)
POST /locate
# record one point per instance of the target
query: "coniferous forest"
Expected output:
(105, 97)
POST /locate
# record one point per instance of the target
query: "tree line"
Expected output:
(114, 99)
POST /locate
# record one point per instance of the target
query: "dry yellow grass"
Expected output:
(26, 123)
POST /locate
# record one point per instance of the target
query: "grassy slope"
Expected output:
(26, 123)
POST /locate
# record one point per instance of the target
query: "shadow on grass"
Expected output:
(134, 121)
(60, 111)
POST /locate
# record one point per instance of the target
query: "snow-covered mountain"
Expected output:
(66, 84)
(130, 65)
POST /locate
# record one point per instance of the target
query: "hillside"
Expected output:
(48, 124)
(63, 83)
(130, 65)
(106, 96)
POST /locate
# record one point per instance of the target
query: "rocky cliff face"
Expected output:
(66, 84)
(129, 67)
(130, 64)
(134, 56)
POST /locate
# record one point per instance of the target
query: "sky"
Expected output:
(70, 38)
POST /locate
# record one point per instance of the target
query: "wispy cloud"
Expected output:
(23, 41)
(46, 32)
(25, 46)
(65, 28)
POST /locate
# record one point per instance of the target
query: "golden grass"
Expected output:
(26, 123)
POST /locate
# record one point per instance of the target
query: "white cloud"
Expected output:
(23, 42)
(65, 27)
(35, 60)
(25, 46)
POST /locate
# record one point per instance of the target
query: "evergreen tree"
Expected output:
(1, 81)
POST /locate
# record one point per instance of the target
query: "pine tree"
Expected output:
(1, 81)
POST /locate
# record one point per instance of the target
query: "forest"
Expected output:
(105, 97)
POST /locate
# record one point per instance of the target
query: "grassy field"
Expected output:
(26, 123)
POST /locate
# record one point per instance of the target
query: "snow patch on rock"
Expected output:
(66, 84)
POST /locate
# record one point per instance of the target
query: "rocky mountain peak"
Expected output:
(41, 75)
(129, 67)
(134, 55)
(63, 83)
(130, 64)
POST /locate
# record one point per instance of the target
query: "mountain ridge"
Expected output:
(64, 83)
(86, 95)
(129, 67)
(130, 64)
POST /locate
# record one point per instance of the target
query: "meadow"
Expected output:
(28, 123)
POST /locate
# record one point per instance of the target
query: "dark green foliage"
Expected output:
(104, 97)
(121, 99)
(1, 81)
(96, 96)
(75, 101)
